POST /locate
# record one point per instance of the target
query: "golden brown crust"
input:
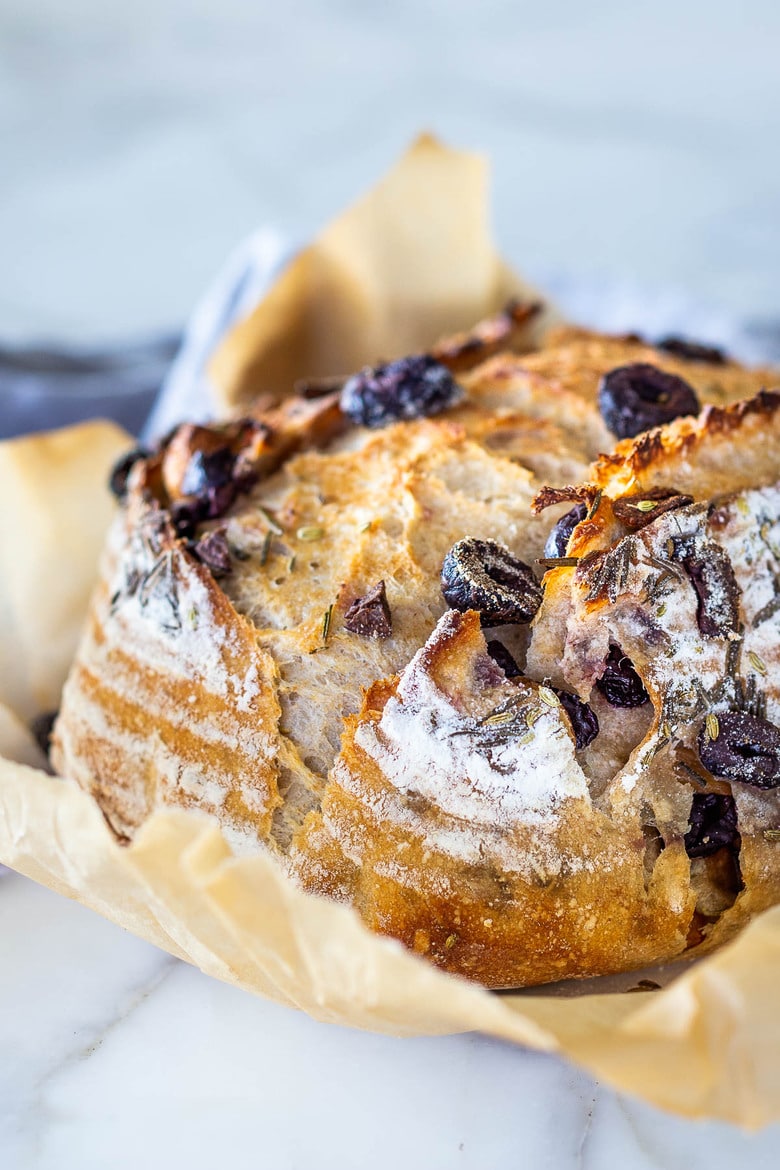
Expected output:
(510, 904)
(171, 699)
(728, 461)
(510, 860)
(507, 332)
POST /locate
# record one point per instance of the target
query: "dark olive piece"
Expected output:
(637, 397)
(620, 684)
(712, 825)
(636, 512)
(502, 658)
(746, 749)
(558, 540)
(217, 500)
(692, 351)
(186, 517)
(213, 551)
(583, 719)
(370, 615)
(412, 387)
(208, 471)
(483, 575)
(712, 575)
(120, 472)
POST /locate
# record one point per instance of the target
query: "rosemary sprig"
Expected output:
(326, 620)
(558, 562)
(274, 527)
(594, 506)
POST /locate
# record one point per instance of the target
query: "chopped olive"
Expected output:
(120, 472)
(370, 615)
(502, 658)
(484, 576)
(412, 387)
(558, 540)
(212, 550)
(637, 397)
(583, 719)
(745, 748)
(620, 684)
(712, 576)
(636, 511)
(712, 825)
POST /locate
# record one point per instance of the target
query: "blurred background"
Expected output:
(634, 148)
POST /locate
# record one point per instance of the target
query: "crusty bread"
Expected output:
(505, 854)
(457, 818)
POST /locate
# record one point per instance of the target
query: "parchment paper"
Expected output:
(706, 1045)
(411, 261)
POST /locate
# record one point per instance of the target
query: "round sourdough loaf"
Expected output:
(269, 643)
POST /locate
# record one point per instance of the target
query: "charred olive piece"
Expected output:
(412, 387)
(712, 825)
(120, 472)
(712, 576)
(637, 511)
(692, 351)
(620, 684)
(483, 575)
(583, 719)
(558, 540)
(738, 746)
(502, 658)
(639, 396)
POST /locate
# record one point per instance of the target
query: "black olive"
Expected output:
(712, 824)
(483, 575)
(637, 397)
(412, 387)
(692, 351)
(583, 719)
(186, 517)
(620, 684)
(120, 472)
(213, 551)
(712, 575)
(370, 615)
(208, 471)
(502, 658)
(745, 748)
(558, 540)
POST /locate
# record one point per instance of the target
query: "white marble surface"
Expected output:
(115, 1056)
(141, 141)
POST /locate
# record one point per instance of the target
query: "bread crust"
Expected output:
(518, 860)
